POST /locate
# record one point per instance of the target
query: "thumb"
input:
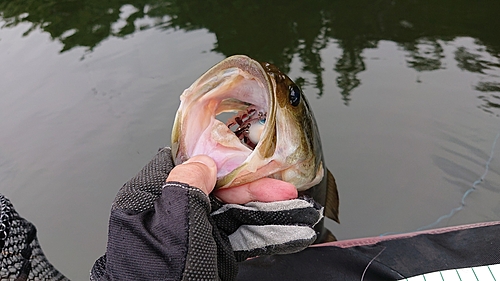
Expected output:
(199, 171)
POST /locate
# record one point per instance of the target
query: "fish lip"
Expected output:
(214, 76)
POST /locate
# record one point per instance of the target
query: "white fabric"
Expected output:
(267, 207)
(250, 237)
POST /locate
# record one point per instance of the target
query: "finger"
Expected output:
(263, 190)
(199, 171)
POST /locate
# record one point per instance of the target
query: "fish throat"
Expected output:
(248, 125)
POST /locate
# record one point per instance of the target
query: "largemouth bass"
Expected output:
(272, 133)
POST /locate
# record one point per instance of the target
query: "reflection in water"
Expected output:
(469, 61)
(276, 31)
(488, 68)
(348, 66)
(488, 86)
(424, 54)
(491, 100)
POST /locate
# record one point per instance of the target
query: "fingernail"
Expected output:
(203, 159)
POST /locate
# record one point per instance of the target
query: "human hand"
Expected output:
(152, 214)
(251, 215)
(201, 171)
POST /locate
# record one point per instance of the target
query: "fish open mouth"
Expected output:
(237, 114)
(239, 93)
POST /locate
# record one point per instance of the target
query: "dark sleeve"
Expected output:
(21, 257)
(157, 243)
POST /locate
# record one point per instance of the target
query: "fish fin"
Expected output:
(329, 237)
(332, 198)
(324, 234)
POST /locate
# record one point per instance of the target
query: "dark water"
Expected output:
(406, 94)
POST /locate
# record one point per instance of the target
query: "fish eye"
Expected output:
(294, 95)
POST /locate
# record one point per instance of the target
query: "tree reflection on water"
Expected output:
(278, 31)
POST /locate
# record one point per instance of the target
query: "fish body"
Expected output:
(272, 132)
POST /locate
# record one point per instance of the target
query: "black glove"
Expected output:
(160, 231)
(163, 231)
(21, 257)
